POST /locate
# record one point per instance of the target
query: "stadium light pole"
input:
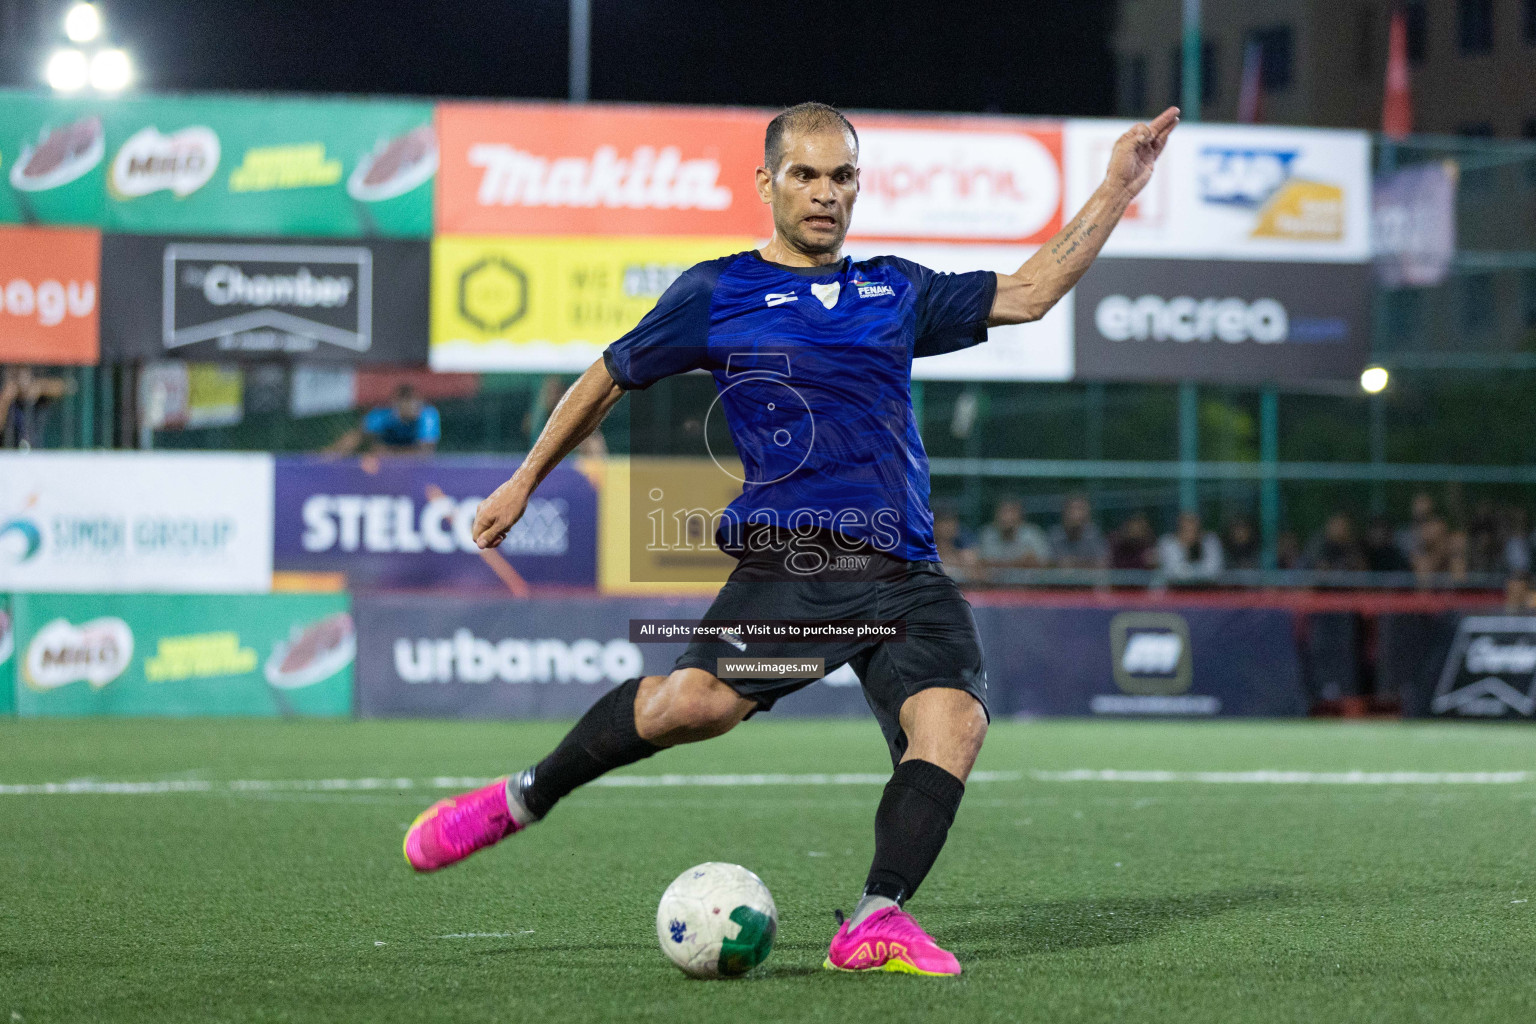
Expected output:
(1190, 92)
(581, 50)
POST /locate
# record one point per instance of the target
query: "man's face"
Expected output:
(1075, 515)
(813, 189)
(1009, 516)
(408, 408)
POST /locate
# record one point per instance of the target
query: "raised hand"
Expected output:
(1136, 152)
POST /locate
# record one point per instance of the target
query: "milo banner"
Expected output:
(463, 658)
(1186, 662)
(1490, 671)
(132, 654)
(407, 523)
(254, 298)
(214, 165)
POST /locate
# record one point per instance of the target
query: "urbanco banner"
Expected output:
(130, 521)
(1222, 321)
(263, 299)
(1236, 192)
(406, 522)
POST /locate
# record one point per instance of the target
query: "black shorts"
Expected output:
(940, 647)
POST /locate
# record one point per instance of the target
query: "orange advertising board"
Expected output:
(554, 169)
(49, 284)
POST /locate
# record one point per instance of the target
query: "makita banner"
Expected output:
(548, 658)
(1221, 321)
(1181, 662)
(406, 523)
(220, 299)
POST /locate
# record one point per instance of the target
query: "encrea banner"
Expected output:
(1222, 321)
(555, 169)
(407, 523)
(131, 521)
(176, 654)
(550, 305)
(48, 296)
(262, 299)
(1236, 192)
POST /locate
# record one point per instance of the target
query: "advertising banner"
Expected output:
(52, 167)
(7, 657)
(1171, 662)
(48, 288)
(1237, 192)
(554, 169)
(1222, 321)
(995, 180)
(1490, 671)
(129, 521)
(423, 656)
(407, 523)
(550, 305)
(1415, 224)
(176, 654)
(202, 299)
(225, 165)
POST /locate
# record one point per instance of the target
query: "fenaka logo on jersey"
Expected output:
(285, 299)
(872, 289)
(1491, 669)
(180, 163)
(643, 178)
(61, 653)
(466, 658)
(1261, 179)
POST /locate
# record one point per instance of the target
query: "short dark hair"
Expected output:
(805, 118)
(404, 392)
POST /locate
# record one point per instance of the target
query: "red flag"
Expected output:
(1397, 106)
(1250, 101)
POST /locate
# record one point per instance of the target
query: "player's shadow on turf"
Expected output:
(1059, 925)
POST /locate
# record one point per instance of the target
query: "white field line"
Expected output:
(94, 787)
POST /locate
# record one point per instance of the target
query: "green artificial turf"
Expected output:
(1066, 901)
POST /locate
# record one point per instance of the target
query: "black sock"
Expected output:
(603, 740)
(911, 825)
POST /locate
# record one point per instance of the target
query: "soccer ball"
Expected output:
(716, 921)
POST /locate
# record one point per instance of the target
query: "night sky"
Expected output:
(1040, 57)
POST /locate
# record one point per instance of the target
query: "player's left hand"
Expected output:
(1136, 152)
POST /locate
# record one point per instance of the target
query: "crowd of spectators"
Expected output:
(1492, 541)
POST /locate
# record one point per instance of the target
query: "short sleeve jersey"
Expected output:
(813, 367)
(386, 424)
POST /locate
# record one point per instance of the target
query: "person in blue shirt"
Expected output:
(406, 425)
(811, 353)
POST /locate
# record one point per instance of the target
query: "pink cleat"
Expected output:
(452, 829)
(889, 940)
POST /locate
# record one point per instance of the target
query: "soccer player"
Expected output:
(812, 353)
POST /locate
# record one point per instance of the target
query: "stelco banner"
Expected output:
(408, 523)
(131, 521)
(220, 165)
(425, 656)
(550, 304)
(48, 295)
(215, 299)
(1236, 192)
(1490, 671)
(140, 654)
(1221, 321)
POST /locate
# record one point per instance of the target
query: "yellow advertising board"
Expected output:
(549, 304)
(656, 525)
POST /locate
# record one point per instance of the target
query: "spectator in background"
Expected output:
(407, 425)
(1485, 547)
(1516, 543)
(1011, 541)
(1287, 550)
(1380, 548)
(1518, 597)
(1076, 541)
(1334, 548)
(25, 401)
(1420, 511)
(956, 550)
(1191, 553)
(1133, 545)
(1241, 544)
(1439, 553)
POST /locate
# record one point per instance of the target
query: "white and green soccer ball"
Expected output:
(717, 921)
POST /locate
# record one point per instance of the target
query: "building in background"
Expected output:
(1472, 62)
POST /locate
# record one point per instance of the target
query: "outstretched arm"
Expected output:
(575, 417)
(1029, 292)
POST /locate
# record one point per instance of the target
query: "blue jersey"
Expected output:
(813, 366)
(386, 424)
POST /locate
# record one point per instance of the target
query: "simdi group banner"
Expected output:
(320, 300)
(135, 521)
(219, 164)
(177, 654)
(49, 295)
